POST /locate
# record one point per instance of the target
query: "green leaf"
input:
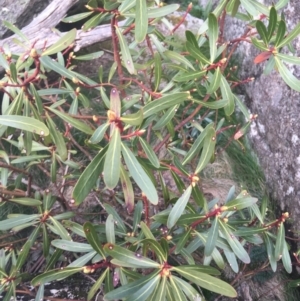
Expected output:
(288, 58)
(272, 22)
(26, 201)
(197, 145)
(270, 251)
(157, 70)
(15, 30)
(25, 123)
(212, 237)
(180, 244)
(90, 56)
(93, 238)
(55, 66)
(178, 58)
(208, 282)
(143, 293)
(129, 259)
(215, 81)
(234, 243)
(141, 20)
(127, 189)
(249, 7)
(83, 260)
(53, 275)
(166, 118)
(59, 229)
(196, 53)
(165, 102)
(179, 207)
(13, 72)
(126, 56)
(16, 221)
(227, 94)
(156, 12)
(40, 293)
(286, 75)
(189, 76)
(139, 175)
(290, 37)
(213, 33)
(99, 133)
(133, 119)
(149, 153)
(76, 18)
(65, 41)
(281, 3)
(57, 138)
(119, 222)
(280, 32)
(280, 242)
(214, 105)
(208, 149)
(153, 245)
(93, 21)
(147, 232)
(159, 293)
(88, 178)
(96, 286)
(72, 121)
(262, 30)
(110, 229)
(115, 102)
(231, 258)
(240, 203)
(46, 241)
(286, 259)
(175, 290)
(71, 246)
(113, 160)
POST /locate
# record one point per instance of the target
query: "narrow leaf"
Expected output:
(211, 237)
(139, 175)
(72, 121)
(93, 238)
(25, 123)
(133, 119)
(286, 75)
(88, 178)
(234, 243)
(127, 189)
(129, 258)
(126, 56)
(208, 282)
(52, 275)
(65, 41)
(213, 33)
(99, 133)
(113, 161)
(179, 207)
(208, 149)
(165, 102)
(141, 20)
(149, 152)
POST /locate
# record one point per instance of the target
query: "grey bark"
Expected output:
(40, 29)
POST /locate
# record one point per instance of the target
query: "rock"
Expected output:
(275, 135)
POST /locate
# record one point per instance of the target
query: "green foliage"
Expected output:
(169, 101)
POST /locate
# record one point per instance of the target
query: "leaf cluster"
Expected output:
(171, 100)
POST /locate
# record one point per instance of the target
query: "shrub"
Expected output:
(151, 125)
